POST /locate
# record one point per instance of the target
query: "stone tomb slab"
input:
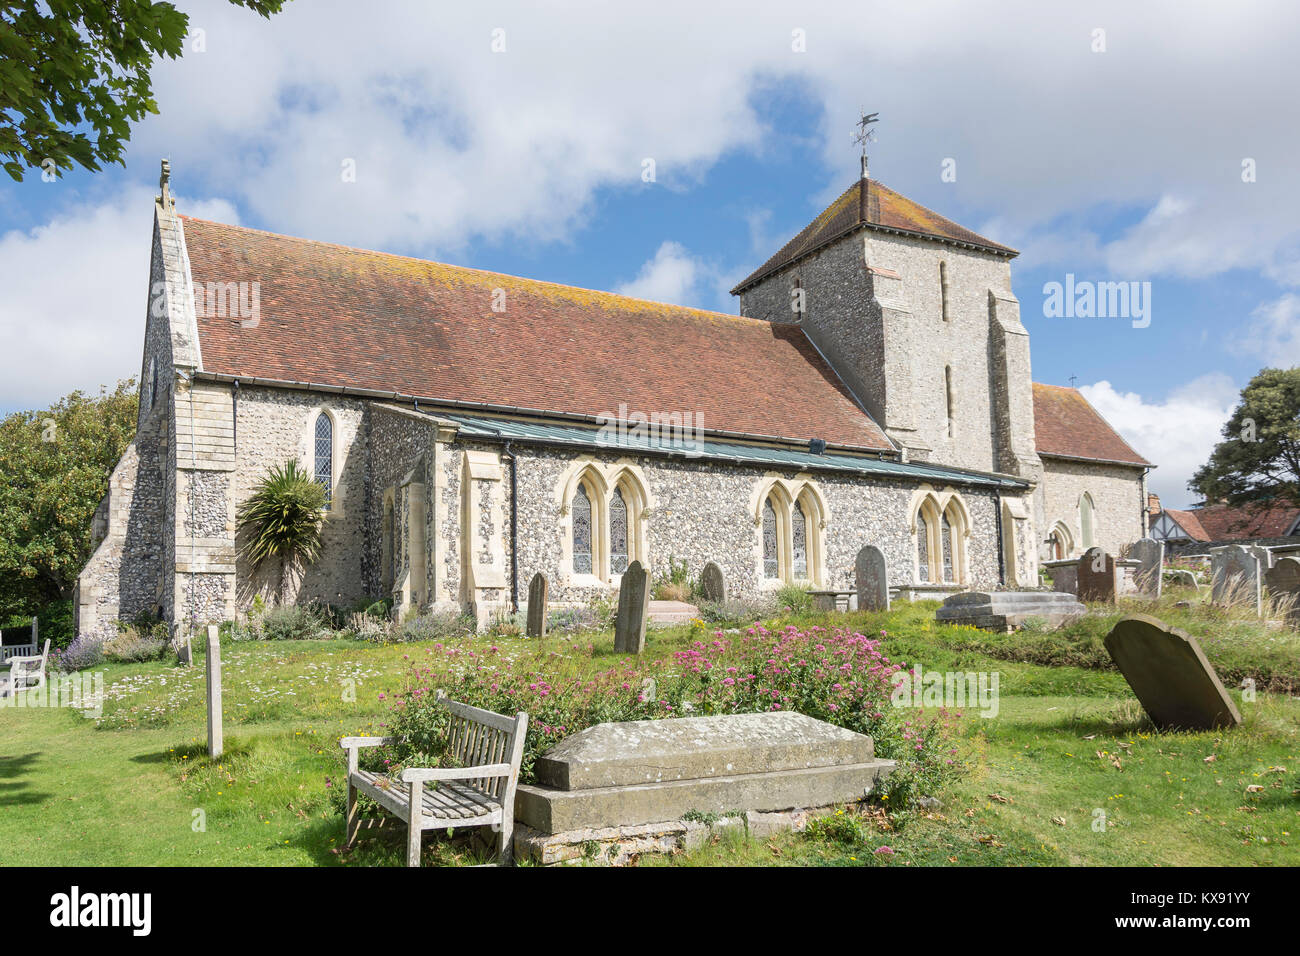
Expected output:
(652, 771)
(1168, 672)
(1006, 610)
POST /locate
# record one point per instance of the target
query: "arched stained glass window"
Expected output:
(923, 548)
(617, 533)
(945, 542)
(799, 553)
(324, 469)
(582, 531)
(771, 563)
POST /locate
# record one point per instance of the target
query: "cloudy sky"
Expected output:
(1113, 142)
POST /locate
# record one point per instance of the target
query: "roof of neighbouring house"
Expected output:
(1067, 426)
(1188, 521)
(1231, 522)
(881, 208)
(332, 315)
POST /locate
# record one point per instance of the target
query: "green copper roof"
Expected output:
(646, 442)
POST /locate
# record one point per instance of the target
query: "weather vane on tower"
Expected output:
(863, 134)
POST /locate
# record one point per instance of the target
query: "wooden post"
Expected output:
(215, 742)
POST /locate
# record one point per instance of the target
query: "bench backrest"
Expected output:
(478, 736)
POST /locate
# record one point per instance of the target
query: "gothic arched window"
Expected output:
(771, 545)
(799, 540)
(923, 548)
(324, 467)
(945, 540)
(617, 533)
(582, 563)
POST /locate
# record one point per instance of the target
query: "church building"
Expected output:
(471, 428)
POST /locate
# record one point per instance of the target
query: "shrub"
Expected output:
(365, 626)
(85, 651)
(436, 626)
(675, 583)
(281, 520)
(294, 622)
(571, 620)
(132, 647)
(507, 624)
(738, 611)
(794, 598)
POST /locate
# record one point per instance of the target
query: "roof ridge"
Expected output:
(483, 272)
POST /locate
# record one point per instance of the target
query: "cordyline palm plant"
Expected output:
(282, 520)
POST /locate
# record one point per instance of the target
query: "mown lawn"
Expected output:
(1068, 744)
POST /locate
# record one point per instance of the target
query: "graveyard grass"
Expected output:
(1069, 743)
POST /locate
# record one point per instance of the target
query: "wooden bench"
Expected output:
(16, 642)
(480, 793)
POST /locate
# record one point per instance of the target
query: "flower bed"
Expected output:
(833, 674)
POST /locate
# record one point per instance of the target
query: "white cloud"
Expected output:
(1273, 332)
(671, 276)
(453, 141)
(75, 297)
(1176, 434)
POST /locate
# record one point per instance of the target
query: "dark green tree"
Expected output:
(54, 470)
(74, 75)
(1259, 457)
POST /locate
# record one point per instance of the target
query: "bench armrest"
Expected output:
(350, 743)
(422, 774)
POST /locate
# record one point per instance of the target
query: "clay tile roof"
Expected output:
(882, 209)
(337, 316)
(1066, 425)
(1229, 522)
(1188, 521)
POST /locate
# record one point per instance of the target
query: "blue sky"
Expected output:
(1114, 156)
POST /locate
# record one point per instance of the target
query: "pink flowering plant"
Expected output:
(832, 674)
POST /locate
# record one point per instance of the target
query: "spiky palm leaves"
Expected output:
(282, 520)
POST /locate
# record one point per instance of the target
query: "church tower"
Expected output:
(916, 315)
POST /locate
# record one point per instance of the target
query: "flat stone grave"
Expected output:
(652, 771)
(1168, 672)
(1008, 610)
(872, 579)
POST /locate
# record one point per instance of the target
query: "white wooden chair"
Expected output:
(28, 673)
(480, 793)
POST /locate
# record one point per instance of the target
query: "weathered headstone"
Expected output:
(1235, 573)
(1152, 555)
(1265, 555)
(1168, 672)
(1183, 579)
(537, 592)
(713, 583)
(216, 744)
(1283, 580)
(633, 606)
(872, 579)
(1098, 577)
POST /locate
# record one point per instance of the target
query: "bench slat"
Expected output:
(478, 716)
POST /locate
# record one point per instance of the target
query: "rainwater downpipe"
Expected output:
(514, 529)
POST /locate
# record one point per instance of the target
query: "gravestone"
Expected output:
(1235, 574)
(1283, 580)
(1008, 610)
(1168, 672)
(216, 743)
(1098, 577)
(713, 584)
(633, 605)
(537, 591)
(1184, 579)
(1151, 554)
(1265, 555)
(872, 579)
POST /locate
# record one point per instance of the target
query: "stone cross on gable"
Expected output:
(164, 185)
